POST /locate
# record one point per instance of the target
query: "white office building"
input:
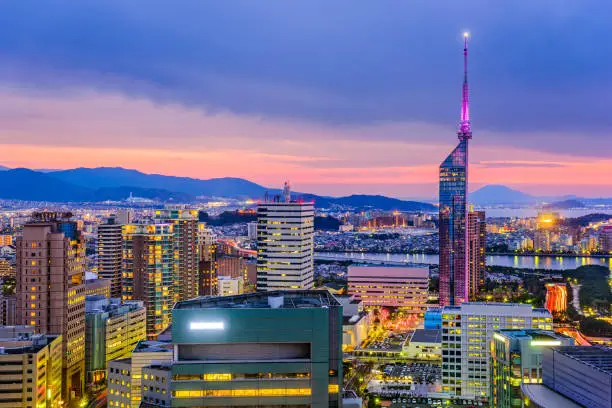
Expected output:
(285, 233)
(467, 331)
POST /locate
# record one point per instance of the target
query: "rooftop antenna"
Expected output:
(465, 130)
(287, 192)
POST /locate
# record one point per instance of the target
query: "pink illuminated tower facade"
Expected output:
(453, 216)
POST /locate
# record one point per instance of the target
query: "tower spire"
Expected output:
(465, 131)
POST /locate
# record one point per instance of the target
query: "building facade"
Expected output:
(375, 286)
(516, 358)
(467, 331)
(50, 289)
(452, 218)
(582, 374)
(112, 331)
(125, 376)
(7, 310)
(185, 242)
(110, 250)
(477, 245)
(148, 271)
(285, 245)
(258, 349)
(229, 286)
(30, 371)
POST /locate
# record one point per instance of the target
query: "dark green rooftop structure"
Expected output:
(264, 349)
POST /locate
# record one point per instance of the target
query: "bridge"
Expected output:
(370, 261)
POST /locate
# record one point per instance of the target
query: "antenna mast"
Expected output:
(465, 131)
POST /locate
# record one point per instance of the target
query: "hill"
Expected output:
(497, 194)
(564, 205)
(115, 183)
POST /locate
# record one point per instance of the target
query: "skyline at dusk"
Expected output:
(337, 99)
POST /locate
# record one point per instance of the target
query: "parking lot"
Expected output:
(419, 373)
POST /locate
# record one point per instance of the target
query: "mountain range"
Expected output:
(116, 183)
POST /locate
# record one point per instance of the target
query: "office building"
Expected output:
(231, 265)
(50, 289)
(7, 310)
(453, 236)
(112, 330)
(516, 357)
(229, 286)
(477, 243)
(110, 249)
(467, 331)
(30, 370)
(556, 298)
(206, 242)
(582, 374)
(378, 286)
(148, 271)
(207, 265)
(185, 242)
(97, 286)
(285, 245)
(258, 349)
(125, 376)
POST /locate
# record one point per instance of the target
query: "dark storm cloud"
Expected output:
(540, 66)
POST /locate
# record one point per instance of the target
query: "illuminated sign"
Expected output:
(206, 326)
(545, 343)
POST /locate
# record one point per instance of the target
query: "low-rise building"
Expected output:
(375, 286)
(125, 375)
(230, 286)
(156, 380)
(98, 286)
(423, 345)
(30, 369)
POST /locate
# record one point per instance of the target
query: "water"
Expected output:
(533, 212)
(518, 261)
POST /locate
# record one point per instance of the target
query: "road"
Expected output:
(99, 401)
(576, 297)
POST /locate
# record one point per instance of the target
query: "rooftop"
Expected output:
(26, 344)
(264, 300)
(153, 346)
(538, 335)
(483, 308)
(598, 357)
(426, 336)
(543, 396)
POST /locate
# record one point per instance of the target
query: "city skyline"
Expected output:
(365, 109)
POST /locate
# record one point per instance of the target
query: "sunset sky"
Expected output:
(339, 97)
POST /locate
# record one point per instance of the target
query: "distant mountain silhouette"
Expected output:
(116, 183)
(564, 205)
(498, 194)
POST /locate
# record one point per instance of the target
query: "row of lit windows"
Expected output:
(258, 392)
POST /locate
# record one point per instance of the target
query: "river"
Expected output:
(517, 261)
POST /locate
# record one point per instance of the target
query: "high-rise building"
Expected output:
(467, 331)
(30, 370)
(110, 247)
(185, 242)
(112, 330)
(97, 286)
(148, 271)
(454, 279)
(285, 245)
(7, 310)
(263, 348)
(207, 265)
(477, 243)
(605, 239)
(516, 357)
(50, 289)
(556, 297)
(377, 286)
(231, 265)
